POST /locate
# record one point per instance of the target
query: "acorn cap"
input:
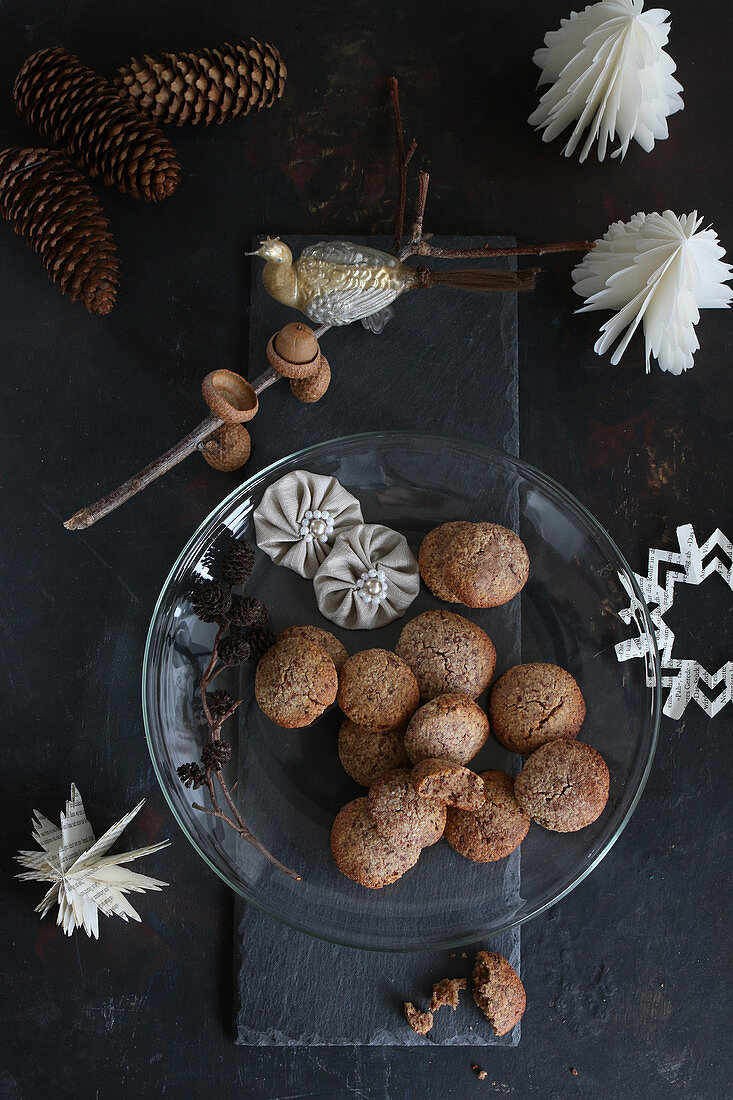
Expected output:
(294, 351)
(227, 448)
(312, 389)
(229, 396)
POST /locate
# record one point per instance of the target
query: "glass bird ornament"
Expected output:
(338, 282)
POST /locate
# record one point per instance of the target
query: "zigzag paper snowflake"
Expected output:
(686, 679)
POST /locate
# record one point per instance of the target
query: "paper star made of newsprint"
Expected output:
(84, 881)
(686, 679)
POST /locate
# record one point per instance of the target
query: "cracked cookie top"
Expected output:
(377, 690)
(365, 856)
(563, 786)
(494, 830)
(535, 703)
(401, 814)
(295, 681)
(447, 653)
(451, 727)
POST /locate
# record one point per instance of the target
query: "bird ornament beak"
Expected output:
(264, 247)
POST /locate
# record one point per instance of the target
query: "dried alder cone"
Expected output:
(206, 86)
(98, 128)
(51, 205)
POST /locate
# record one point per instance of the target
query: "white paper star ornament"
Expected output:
(611, 75)
(84, 881)
(658, 271)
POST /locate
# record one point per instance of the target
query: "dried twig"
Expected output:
(214, 777)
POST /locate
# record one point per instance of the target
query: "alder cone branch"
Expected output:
(51, 205)
(206, 86)
(99, 129)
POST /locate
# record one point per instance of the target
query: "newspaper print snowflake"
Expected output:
(686, 679)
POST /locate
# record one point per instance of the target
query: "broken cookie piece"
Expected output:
(450, 783)
(420, 1022)
(498, 991)
(445, 993)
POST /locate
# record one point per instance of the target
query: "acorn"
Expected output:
(227, 448)
(294, 351)
(229, 396)
(312, 389)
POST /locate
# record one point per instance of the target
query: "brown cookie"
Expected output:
(366, 756)
(487, 565)
(377, 690)
(323, 638)
(451, 727)
(295, 681)
(420, 1022)
(362, 854)
(563, 785)
(532, 704)
(445, 993)
(494, 831)
(498, 991)
(400, 814)
(449, 783)
(447, 653)
(433, 556)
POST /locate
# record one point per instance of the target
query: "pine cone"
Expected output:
(211, 601)
(236, 565)
(52, 207)
(191, 775)
(216, 755)
(220, 703)
(98, 128)
(205, 85)
(234, 649)
(260, 639)
(248, 611)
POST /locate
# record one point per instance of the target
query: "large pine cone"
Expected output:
(52, 206)
(97, 127)
(206, 85)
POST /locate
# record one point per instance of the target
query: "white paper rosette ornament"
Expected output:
(300, 517)
(369, 578)
(658, 270)
(610, 75)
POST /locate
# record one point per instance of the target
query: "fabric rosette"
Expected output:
(370, 578)
(301, 516)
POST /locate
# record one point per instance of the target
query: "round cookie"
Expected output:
(449, 783)
(447, 653)
(451, 727)
(532, 704)
(362, 854)
(323, 638)
(400, 814)
(487, 565)
(377, 690)
(366, 756)
(433, 555)
(494, 831)
(295, 681)
(498, 991)
(563, 786)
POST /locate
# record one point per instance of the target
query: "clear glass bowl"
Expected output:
(291, 784)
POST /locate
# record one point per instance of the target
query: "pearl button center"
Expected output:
(318, 527)
(373, 586)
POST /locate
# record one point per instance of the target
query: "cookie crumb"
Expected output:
(574, 1071)
(420, 1022)
(445, 993)
(482, 1074)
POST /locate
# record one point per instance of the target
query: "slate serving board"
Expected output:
(447, 363)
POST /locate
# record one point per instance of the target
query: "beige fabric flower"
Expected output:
(369, 578)
(300, 517)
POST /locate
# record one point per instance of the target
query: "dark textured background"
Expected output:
(627, 976)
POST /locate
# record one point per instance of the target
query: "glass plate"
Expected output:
(290, 782)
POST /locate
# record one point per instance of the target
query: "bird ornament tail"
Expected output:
(481, 282)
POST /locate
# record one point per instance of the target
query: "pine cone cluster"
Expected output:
(51, 205)
(99, 129)
(220, 703)
(260, 639)
(206, 86)
(234, 650)
(216, 755)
